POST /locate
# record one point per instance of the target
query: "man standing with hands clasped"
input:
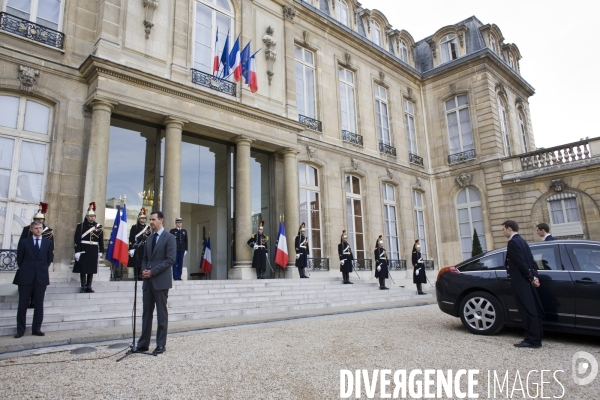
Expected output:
(521, 270)
(159, 255)
(181, 238)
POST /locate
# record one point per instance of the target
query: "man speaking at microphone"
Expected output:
(159, 255)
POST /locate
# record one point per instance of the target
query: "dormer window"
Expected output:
(376, 33)
(493, 44)
(403, 51)
(449, 49)
(511, 61)
(342, 11)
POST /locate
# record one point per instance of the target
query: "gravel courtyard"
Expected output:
(302, 359)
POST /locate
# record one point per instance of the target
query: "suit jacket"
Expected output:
(549, 238)
(47, 233)
(160, 261)
(34, 266)
(522, 268)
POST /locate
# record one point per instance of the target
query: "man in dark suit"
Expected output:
(34, 256)
(543, 231)
(159, 255)
(521, 269)
(181, 238)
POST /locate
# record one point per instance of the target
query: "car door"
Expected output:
(556, 289)
(586, 280)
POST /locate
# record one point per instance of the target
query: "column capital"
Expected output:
(174, 120)
(99, 103)
(243, 140)
(290, 151)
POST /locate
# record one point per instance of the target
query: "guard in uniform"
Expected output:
(419, 276)
(259, 243)
(381, 271)
(137, 242)
(40, 216)
(181, 237)
(302, 251)
(89, 247)
(346, 258)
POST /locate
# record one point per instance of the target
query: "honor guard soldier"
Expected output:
(89, 247)
(137, 242)
(302, 251)
(346, 258)
(381, 271)
(40, 216)
(419, 276)
(259, 243)
(181, 237)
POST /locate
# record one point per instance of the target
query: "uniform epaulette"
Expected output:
(266, 238)
(253, 236)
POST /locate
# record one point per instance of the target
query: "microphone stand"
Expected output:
(133, 346)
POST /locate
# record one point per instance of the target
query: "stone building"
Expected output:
(355, 126)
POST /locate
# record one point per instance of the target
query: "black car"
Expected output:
(479, 292)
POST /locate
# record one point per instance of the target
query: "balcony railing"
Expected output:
(387, 149)
(559, 155)
(30, 30)
(213, 82)
(8, 260)
(415, 159)
(458, 157)
(318, 264)
(363, 264)
(311, 123)
(397, 265)
(352, 137)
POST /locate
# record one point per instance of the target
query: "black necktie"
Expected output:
(37, 245)
(154, 240)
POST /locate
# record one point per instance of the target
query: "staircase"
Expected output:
(66, 309)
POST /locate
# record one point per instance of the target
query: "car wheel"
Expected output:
(481, 314)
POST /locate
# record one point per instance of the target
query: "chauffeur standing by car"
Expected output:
(89, 246)
(521, 268)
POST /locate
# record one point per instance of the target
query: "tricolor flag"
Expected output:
(121, 249)
(235, 60)
(216, 59)
(113, 238)
(206, 260)
(253, 77)
(281, 254)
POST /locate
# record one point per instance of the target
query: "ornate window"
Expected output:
(493, 45)
(47, 13)
(403, 51)
(448, 47)
(419, 209)
(24, 137)
(503, 127)
(376, 33)
(459, 124)
(564, 215)
(522, 131)
(342, 12)
(347, 100)
(409, 117)
(212, 16)
(310, 207)
(470, 218)
(354, 216)
(391, 222)
(511, 61)
(382, 115)
(305, 82)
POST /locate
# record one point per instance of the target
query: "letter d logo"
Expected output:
(580, 368)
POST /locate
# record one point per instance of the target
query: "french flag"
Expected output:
(206, 263)
(253, 77)
(281, 254)
(121, 249)
(216, 60)
(235, 60)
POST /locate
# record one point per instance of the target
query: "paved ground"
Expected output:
(301, 359)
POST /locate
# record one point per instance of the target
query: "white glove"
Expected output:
(255, 247)
(379, 268)
(267, 254)
(342, 262)
(77, 255)
(131, 252)
(297, 256)
(99, 255)
(184, 254)
(417, 273)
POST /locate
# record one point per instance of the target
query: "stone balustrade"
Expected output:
(558, 155)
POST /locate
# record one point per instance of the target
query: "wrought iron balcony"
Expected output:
(458, 157)
(318, 264)
(213, 82)
(387, 149)
(363, 264)
(352, 137)
(31, 30)
(397, 265)
(415, 159)
(311, 123)
(428, 264)
(8, 260)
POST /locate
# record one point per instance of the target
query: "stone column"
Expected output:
(97, 158)
(171, 194)
(243, 211)
(291, 207)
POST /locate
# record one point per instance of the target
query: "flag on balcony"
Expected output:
(216, 60)
(281, 252)
(245, 63)
(206, 258)
(253, 78)
(225, 57)
(235, 60)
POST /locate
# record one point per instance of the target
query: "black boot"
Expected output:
(257, 273)
(344, 278)
(348, 279)
(382, 284)
(419, 290)
(83, 285)
(300, 273)
(89, 283)
(304, 272)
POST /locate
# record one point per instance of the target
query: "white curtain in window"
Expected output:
(556, 212)
(572, 210)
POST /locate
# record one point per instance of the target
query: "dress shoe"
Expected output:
(82, 290)
(38, 333)
(142, 349)
(527, 344)
(19, 334)
(421, 293)
(350, 283)
(89, 290)
(159, 350)
(385, 288)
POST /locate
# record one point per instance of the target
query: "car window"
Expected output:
(585, 257)
(546, 258)
(486, 263)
